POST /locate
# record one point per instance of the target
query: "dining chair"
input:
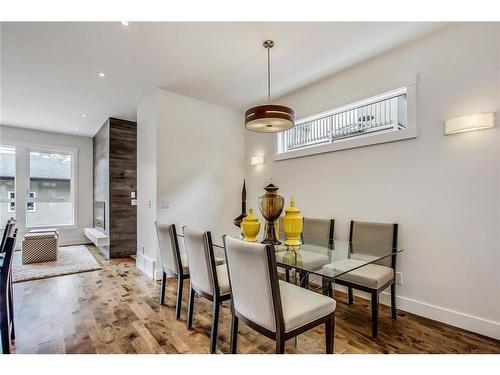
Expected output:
(366, 240)
(274, 308)
(317, 240)
(317, 234)
(7, 330)
(173, 263)
(208, 279)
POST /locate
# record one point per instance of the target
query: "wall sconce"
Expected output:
(256, 160)
(469, 123)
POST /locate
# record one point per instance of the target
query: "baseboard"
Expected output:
(441, 314)
(146, 265)
(458, 319)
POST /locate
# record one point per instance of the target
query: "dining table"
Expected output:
(317, 261)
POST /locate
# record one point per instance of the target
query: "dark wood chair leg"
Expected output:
(374, 313)
(280, 346)
(215, 324)
(11, 313)
(163, 287)
(190, 308)
(329, 334)
(351, 298)
(287, 275)
(234, 334)
(394, 313)
(178, 306)
(327, 287)
(4, 325)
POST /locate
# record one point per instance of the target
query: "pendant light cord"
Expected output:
(268, 73)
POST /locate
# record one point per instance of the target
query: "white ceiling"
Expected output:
(48, 70)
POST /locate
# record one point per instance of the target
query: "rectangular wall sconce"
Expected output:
(469, 123)
(256, 160)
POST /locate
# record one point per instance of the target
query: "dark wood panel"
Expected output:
(123, 181)
(115, 177)
(117, 310)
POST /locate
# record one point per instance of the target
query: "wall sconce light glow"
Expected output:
(469, 123)
(256, 160)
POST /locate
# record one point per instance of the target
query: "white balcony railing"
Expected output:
(387, 114)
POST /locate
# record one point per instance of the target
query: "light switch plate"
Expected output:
(134, 202)
(164, 204)
(132, 195)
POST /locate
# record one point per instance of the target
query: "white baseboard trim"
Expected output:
(146, 265)
(438, 313)
(441, 314)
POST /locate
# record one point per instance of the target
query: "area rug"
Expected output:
(70, 259)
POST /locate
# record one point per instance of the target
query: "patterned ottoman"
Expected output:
(40, 247)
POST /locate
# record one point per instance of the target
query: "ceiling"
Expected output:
(49, 70)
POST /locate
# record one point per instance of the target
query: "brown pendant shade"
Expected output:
(269, 118)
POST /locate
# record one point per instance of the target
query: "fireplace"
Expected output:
(100, 215)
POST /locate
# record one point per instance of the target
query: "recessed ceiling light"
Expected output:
(124, 23)
(83, 115)
(101, 74)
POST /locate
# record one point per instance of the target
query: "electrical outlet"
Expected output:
(399, 278)
(149, 204)
(164, 204)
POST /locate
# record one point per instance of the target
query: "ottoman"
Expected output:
(39, 247)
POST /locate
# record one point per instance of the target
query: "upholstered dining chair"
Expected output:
(317, 240)
(367, 240)
(208, 279)
(274, 308)
(173, 263)
(317, 234)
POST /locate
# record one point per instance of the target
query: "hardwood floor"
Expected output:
(116, 310)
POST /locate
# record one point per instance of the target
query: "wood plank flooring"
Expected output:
(116, 310)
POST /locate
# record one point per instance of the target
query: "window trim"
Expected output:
(361, 140)
(73, 182)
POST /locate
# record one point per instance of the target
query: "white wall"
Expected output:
(22, 138)
(444, 191)
(199, 165)
(146, 182)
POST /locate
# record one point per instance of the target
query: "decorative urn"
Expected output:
(293, 224)
(250, 227)
(271, 205)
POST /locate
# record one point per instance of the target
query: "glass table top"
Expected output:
(318, 256)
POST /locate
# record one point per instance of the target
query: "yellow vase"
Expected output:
(250, 227)
(293, 224)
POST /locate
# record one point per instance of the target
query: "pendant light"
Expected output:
(269, 118)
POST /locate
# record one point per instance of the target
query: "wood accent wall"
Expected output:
(121, 160)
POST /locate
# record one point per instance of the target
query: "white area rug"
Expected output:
(70, 259)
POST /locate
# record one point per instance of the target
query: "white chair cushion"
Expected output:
(223, 279)
(302, 306)
(307, 259)
(370, 275)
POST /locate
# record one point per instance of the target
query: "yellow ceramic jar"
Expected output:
(293, 224)
(250, 227)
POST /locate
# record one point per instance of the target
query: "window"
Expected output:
(50, 200)
(7, 183)
(12, 201)
(381, 114)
